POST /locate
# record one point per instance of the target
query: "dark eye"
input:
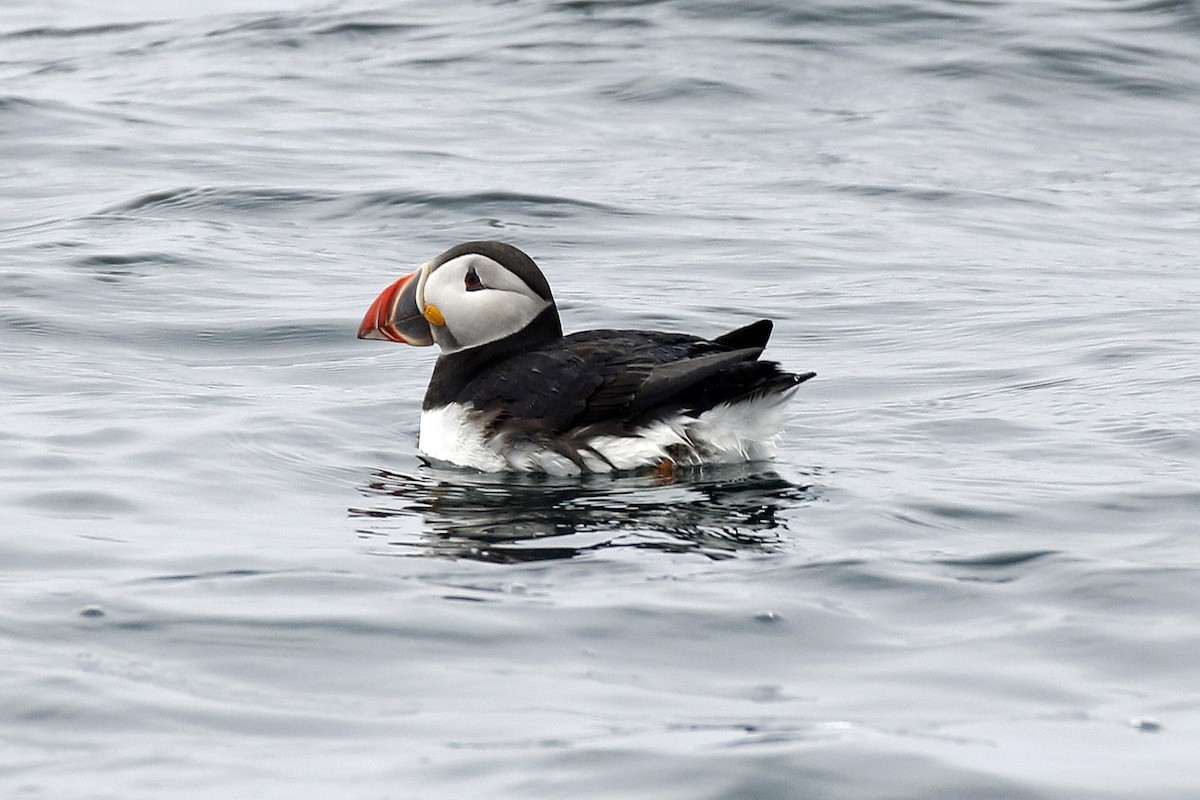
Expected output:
(473, 283)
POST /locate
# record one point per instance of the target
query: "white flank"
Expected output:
(448, 434)
(725, 434)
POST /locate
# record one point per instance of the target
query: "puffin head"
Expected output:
(470, 295)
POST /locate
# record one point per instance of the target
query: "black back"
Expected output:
(609, 380)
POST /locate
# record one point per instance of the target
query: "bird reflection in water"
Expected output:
(715, 511)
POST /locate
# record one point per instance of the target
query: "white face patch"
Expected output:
(502, 307)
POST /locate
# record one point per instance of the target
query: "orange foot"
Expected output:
(666, 470)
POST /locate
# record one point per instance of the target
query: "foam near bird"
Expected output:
(510, 392)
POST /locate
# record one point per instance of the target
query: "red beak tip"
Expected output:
(397, 300)
(371, 332)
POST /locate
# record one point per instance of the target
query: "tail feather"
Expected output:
(755, 334)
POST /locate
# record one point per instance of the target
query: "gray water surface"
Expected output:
(971, 572)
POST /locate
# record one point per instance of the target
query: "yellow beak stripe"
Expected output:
(434, 317)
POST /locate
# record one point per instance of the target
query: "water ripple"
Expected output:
(977, 220)
(50, 32)
(217, 198)
(660, 89)
(339, 205)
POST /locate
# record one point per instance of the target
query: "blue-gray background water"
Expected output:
(972, 571)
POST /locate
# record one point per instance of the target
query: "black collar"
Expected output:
(454, 371)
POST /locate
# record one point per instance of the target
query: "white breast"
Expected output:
(745, 431)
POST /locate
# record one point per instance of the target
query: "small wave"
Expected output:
(956, 514)
(1135, 72)
(1107, 47)
(79, 504)
(131, 264)
(540, 205)
(257, 339)
(364, 29)
(936, 195)
(785, 14)
(270, 200)
(659, 89)
(1178, 441)
(294, 30)
(215, 575)
(271, 22)
(254, 343)
(24, 323)
(217, 198)
(1186, 501)
(273, 336)
(18, 104)
(592, 6)
(53, 116)
(50, 32)
(998, 560)
(1182, 15)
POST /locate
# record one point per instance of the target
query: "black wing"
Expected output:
(615, 379)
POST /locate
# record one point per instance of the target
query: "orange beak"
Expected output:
(395, 315)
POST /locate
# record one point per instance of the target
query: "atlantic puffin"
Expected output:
(510, 392)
